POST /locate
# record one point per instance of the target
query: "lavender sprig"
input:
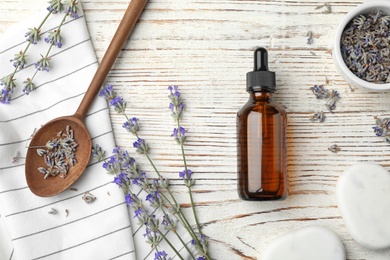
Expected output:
(19, 61)
(332, 96)
(127, 174)
(382, 128)
(131, 175)
(54, 39)
(177, 106)
(33, 36)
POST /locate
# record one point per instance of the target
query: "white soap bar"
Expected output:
(307, 243)
(363, 195)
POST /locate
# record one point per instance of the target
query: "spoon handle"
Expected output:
(124, 30)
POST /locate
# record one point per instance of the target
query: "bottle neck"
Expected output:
(261, 96)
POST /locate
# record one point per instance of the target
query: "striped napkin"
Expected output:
(99, 230)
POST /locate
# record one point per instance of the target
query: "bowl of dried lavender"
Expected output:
(361, 48)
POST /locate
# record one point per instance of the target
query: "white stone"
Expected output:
(306, 243)
(363, 195)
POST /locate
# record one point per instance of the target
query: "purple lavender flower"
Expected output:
(28, 86)
(168, 223)
(119, 104)
(154, 198)
(54, 38)
(320, 92)
(138, 212)
(174, 95)
(160, 255)
(129, 199)
(110, 165)
(179, 134)
(107, 92)
(43, 64)
(140, 179)
(55, 6)
(8, 83)
(378, 130)
(33, 35)
(121, 179)
(185, 175)
(19, 61)
(176, 106)
(5, 97)
(187, 178)
(142, 147)
(131, 125)
(71, 8)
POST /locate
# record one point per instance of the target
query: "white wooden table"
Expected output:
(206, 47)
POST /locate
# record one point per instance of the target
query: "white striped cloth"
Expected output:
(100, 230)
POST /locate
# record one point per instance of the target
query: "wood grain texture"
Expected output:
(206, 48)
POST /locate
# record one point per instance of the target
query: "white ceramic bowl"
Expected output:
(384, 6)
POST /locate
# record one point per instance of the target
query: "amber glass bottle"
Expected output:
(261, 137)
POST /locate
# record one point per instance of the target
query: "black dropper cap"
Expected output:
(260, 79)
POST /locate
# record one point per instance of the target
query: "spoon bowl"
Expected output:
(53, 185)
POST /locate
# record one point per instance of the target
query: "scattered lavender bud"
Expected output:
(15, 159)
(318, 116)
(59, 155)
(55, 6)
(309, 36)
(320, 92)
(334, 148)
(88, 198)
(52, 211)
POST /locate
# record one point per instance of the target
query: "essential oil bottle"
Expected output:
(261, 137)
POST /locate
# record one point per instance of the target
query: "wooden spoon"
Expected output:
(54, 185)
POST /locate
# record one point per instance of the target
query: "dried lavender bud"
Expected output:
(327, 8)
(309, 36)
(88, 198)
(365, 47)
(59, 155)
(319, 116)
(320, 92)
(52, 211)
(334, 148)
